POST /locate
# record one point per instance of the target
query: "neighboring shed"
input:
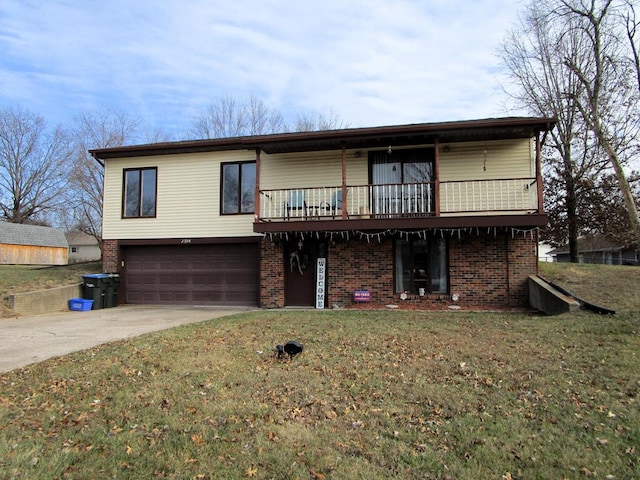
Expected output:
(82, 247)
(32, 245)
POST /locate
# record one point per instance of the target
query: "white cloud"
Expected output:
(372, 62)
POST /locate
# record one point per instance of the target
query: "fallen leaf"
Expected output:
(317, 475)
(129, 450)
(251, 471)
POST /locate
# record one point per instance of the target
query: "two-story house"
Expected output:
(424, 213)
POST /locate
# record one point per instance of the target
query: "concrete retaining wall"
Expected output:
(44, 301)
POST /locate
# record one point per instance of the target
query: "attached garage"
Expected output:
(215, 274)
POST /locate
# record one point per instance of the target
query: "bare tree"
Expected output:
(560, 67)
(533, 54)
(102, 128)
(604, 65)
(313, 121)
(229, 117)
(262, 119)
(34, 166)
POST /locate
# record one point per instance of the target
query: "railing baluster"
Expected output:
(474, 197)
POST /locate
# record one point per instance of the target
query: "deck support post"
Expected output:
(344, 183)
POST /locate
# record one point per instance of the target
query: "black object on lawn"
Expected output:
(291, 348)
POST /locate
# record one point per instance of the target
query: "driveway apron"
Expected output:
(28, 340)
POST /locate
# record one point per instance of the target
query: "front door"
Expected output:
(300, 257)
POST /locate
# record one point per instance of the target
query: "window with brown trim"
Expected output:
(140, 189)
(421, 266)
(238, 188)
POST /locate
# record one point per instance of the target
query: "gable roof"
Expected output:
(370, 137)
(80, 238)
(34, 235)
(598, 243)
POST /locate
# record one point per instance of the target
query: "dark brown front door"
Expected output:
(300, 258)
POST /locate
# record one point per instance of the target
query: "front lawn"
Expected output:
(375, 394)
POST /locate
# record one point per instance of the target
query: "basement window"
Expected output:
(421, 264)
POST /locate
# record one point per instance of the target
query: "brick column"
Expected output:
(271, 274)
(523, 261)
(110, 256)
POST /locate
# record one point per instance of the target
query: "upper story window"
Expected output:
(139, 199)
(238, 187)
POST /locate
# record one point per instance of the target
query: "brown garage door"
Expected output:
(192, 274)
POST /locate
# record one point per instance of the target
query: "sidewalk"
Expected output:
(28, 340)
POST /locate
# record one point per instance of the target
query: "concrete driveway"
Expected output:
(28, 340)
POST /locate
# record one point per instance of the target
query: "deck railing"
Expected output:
(477, 197)
(504, 195)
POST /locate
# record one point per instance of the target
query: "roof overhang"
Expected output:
(350, 138)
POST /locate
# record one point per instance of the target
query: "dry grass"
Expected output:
(27, 278)
(377, 394)
(612, 286)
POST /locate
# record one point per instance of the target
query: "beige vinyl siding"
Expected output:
(188, 198)
(487, 169)
(311, 169)
(463, 161)
(503, 159)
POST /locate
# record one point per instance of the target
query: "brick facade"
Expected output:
(359, 265)
(271, 274)
(491, 270)
(110, 256)
(485, 270)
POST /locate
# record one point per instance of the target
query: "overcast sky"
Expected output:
(371, 62)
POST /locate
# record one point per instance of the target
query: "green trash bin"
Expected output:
(111, 298)
(94, 288)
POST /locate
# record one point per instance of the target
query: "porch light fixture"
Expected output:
(389, 151)
(357, 154)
